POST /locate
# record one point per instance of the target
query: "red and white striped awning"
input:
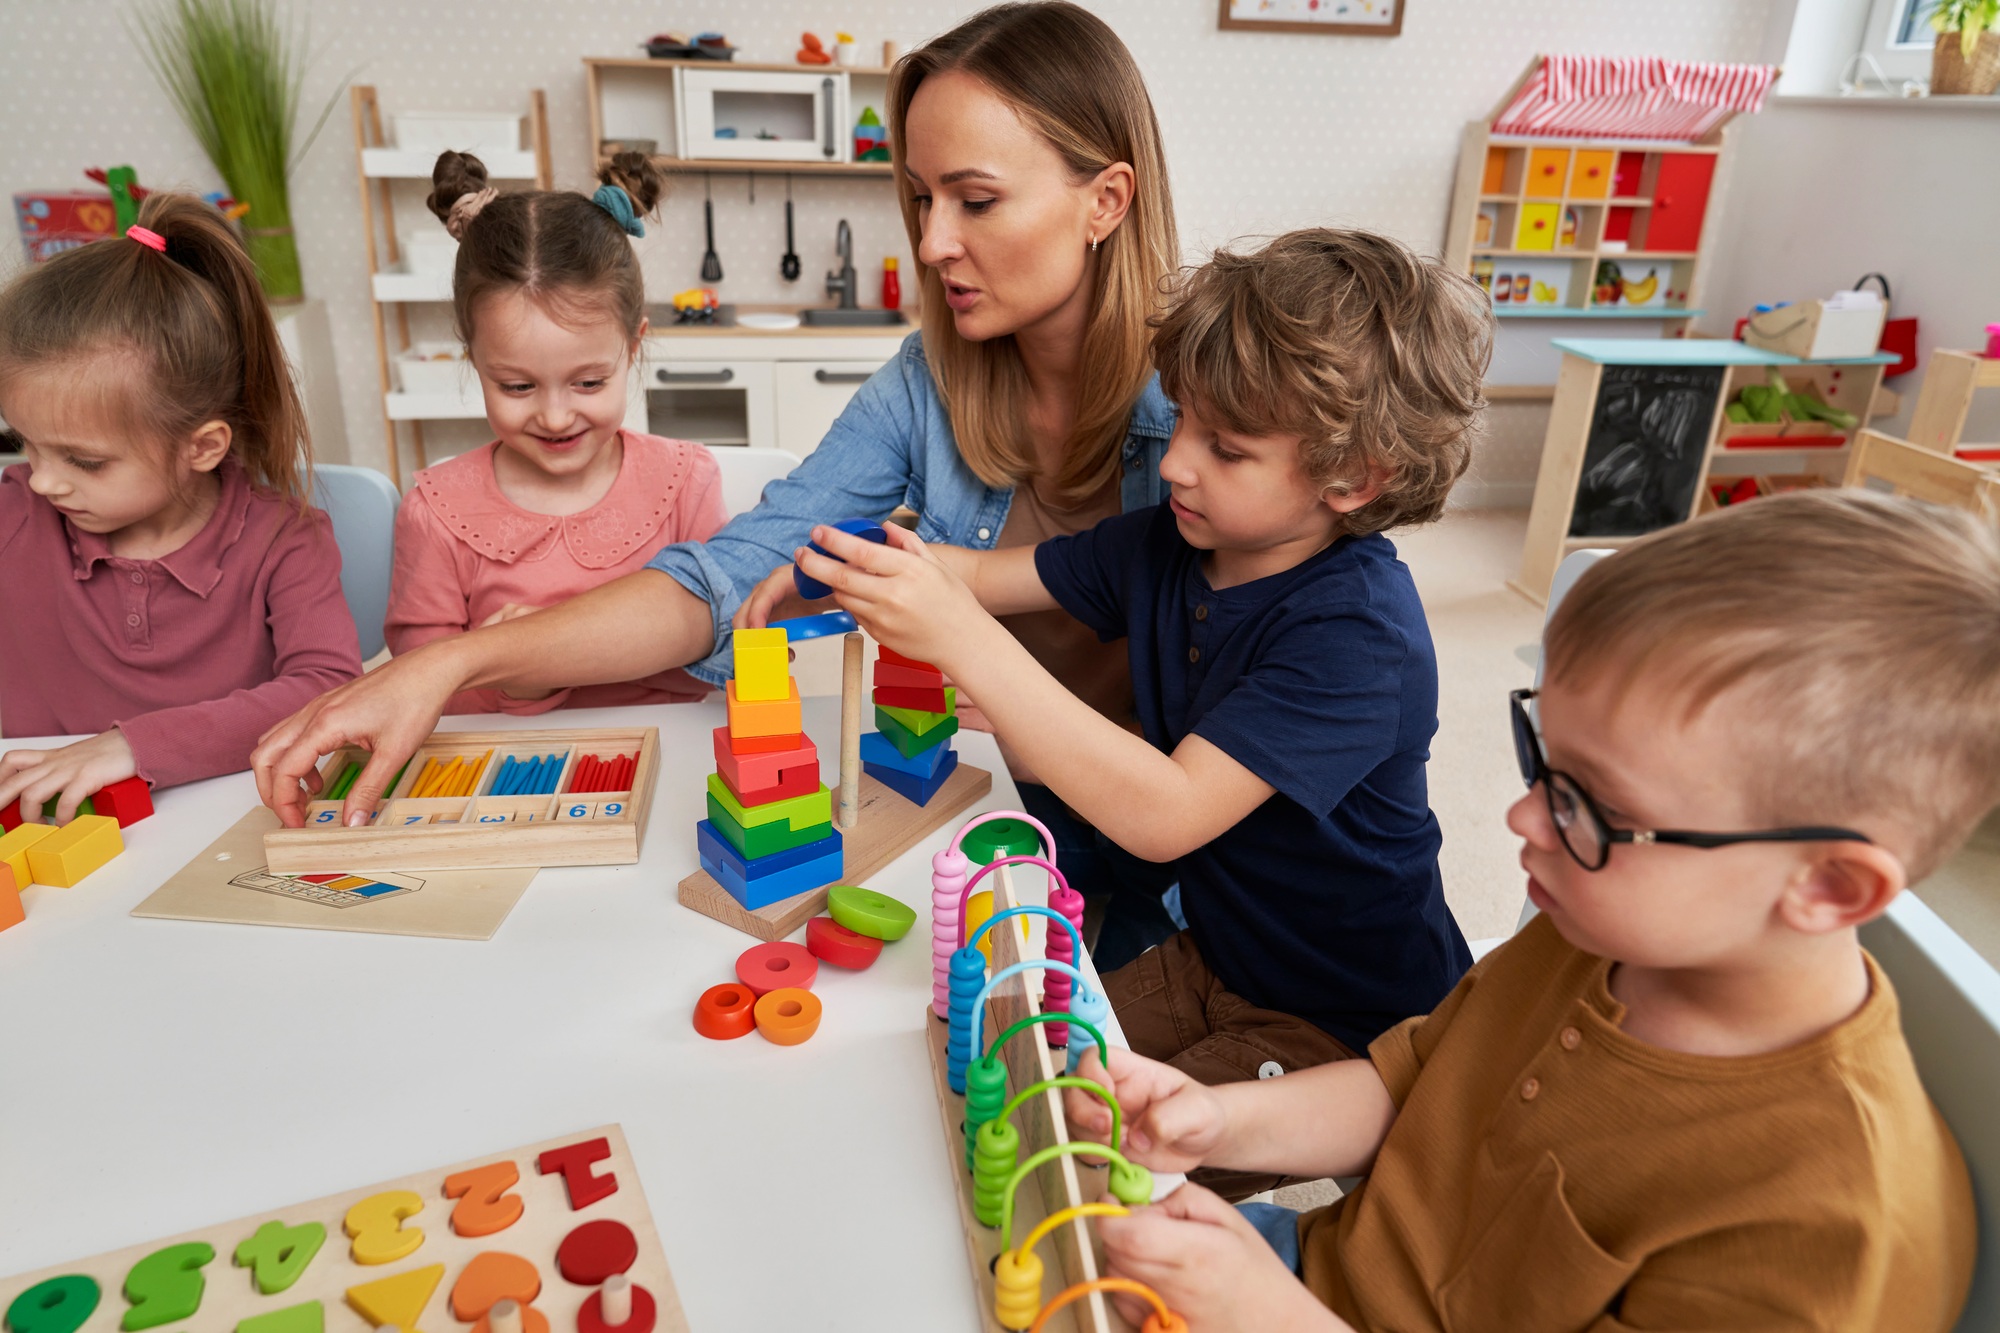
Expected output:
(1630, 97)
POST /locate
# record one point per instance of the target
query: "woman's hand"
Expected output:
(1172, 1122)
(900, 592)
(1210, 1266)
(69, 774)
(775, 598)
(389, 712)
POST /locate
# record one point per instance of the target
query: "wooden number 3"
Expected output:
(376, 1227)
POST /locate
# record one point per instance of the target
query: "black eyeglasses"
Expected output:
(1585, 833)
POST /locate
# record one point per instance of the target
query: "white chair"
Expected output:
(362, 504)
(1950, 998)
(746, 472)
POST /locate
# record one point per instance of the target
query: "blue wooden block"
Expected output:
(800, 628)
(918, 790)
(880, 751)
(867, 529)
(769, 879)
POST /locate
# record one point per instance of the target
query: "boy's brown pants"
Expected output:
(1174, 1010)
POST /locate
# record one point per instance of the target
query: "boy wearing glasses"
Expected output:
(1680, 1097)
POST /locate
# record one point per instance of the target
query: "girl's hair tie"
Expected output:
(613, 200)
(152, 240)
(465, 208)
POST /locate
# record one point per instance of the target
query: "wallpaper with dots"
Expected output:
(1264, 131)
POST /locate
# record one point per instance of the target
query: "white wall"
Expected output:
(1264, 132)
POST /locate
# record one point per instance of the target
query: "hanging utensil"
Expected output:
(788, 267)
(711, 266)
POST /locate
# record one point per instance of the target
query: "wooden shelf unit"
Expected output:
(378, 167)
(1945, 397)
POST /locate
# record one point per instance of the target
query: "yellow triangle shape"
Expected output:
(396, 1302)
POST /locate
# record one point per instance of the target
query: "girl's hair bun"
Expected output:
(454, 176)
(635, 174)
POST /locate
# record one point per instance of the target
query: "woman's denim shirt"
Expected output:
(893, 445)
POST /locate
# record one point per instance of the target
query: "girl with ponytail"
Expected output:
(549, 301)
(167, 586)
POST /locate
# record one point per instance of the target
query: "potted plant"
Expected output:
(1966, 60)
(234, 71)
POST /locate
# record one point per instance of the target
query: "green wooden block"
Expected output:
(765, 839)
(49, 807)
(797, 811)
(909, 743)
(919, 721)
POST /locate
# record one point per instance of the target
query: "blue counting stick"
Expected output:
(1029, 910)
(967, 1019)
(865, 528)
(500, 778)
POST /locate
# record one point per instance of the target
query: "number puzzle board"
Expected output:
(229, 881)
(483, 828)
(417, 1259)
(886, 826)
(1064, 1182)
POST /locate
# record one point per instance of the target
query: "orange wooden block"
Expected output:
(723, 1012)
(749, 719)
(11, 911)
(789, 1016)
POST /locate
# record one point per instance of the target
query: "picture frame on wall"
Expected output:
(1348, 18)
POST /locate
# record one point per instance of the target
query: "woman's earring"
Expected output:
(1093, 245)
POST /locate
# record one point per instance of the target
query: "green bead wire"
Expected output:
(1068, 1081)
(1054, 1016)
(979, 1101)
(1136, 1175)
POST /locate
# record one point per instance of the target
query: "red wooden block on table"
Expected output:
(895, 658)
(902, 677)
(764, 744)
(800, 781)
(742, 771)
(10, 817)
(128, 801)
(11, 911)
(924, 701)
(831, 942)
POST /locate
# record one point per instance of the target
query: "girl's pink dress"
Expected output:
(464, 551)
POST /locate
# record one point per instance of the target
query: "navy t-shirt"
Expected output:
(1325, 901)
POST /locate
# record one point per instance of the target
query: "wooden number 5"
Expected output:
(376, 1227)
(494, 1276)
(484, 1205)
(166, 1285)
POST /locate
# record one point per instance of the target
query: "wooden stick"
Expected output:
(504, 1317)
(616, 1301)
(850, 732)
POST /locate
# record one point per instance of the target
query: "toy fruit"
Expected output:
(812, 51)
(1638, 293)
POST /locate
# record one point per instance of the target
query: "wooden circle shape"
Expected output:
(788, 1017)
(831, 942)
(597, 1250)
(776, 966)
(724, 1012)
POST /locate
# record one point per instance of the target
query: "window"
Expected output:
(1899, 40)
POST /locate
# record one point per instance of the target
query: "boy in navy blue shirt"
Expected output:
(1282, 668)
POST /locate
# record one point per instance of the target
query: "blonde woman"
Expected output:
(1034, 188)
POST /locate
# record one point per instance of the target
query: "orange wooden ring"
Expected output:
(724, 1012)
(776, 966)
(789, 1016)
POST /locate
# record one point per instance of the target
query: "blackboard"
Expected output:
(1643, 458)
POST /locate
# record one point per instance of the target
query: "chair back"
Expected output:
(362, 504)
(747, 471)
(1881, 462)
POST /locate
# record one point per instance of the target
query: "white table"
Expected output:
(162, 1075)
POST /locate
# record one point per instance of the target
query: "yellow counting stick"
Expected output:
(445, 778)
(425, 780)
(471, 778)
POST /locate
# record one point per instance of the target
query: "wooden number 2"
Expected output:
(601, 1252)
(166, 1285)
(59, 1305)
(494, 1276)
(376, 1227)
(484, 1205)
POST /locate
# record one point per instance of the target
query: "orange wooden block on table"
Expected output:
(723, 1013)
(11, 911)
(765, 717)
(789, 1016)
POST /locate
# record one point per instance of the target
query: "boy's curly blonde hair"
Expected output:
(1369, 353)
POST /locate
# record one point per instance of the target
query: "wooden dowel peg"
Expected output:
(850, 732)
(504, 1317)
(616, 1301)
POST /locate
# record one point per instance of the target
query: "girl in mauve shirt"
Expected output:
(165, 584)
(550, 302)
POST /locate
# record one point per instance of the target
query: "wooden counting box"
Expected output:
(1064, 1182)
(484, 826)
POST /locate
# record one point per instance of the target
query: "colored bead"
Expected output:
(1130, 1184)
(968, 978)
(1017, 1289)
(1061, 948)
(985, 1094)
(948, 871)
(867, 912)
(1092, 1007)
(993, 1157)
(724, 1012)
(776, 965)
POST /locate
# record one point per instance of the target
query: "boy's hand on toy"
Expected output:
(1210, 1266)
(776, 598)
(69, 774)
(899, 591)
(1172, 1123)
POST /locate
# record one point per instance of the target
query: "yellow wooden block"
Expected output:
(763, 665)
(14, 849)
(751, 718)
(74, 850)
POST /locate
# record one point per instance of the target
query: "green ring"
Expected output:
(866, 912)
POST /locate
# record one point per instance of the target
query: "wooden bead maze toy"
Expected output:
(775, 837)
(471, 799)
(988, 1033)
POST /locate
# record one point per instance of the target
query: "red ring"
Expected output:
(724, 1012)
(776, 966)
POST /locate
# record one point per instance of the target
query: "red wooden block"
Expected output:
(776, 966)
(890, 655)
(128, 801)
(10, 817)
(597, 1250)
(11, 911)
(801, 781)
(902, 677)
(831, 942)
(763, 744)
(574, 1160)
(744, 772)
(924, 701)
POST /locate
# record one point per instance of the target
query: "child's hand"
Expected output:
(900, 592)
(776, 598)
(1172, 1122)
(71, 773)
(1209, 1265)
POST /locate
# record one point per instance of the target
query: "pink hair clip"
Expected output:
(151, 239)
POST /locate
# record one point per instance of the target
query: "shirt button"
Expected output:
(1270, 1069)
(1201, 613)
(132, 621)
(1571, 1039)
(137, 577)
(1530, 1089)
(1194, 654)
(985, 534)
